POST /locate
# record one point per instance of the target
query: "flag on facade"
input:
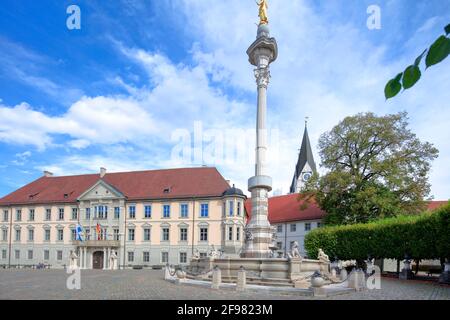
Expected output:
(98, 231)
(79, 233)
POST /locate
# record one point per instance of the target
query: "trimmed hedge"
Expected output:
(424, 236)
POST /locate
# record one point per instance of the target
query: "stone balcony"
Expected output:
(97, 243)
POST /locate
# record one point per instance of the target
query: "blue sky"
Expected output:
(118, 92)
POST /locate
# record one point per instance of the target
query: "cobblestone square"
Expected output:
(150, 285)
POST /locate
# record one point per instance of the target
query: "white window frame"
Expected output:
(185, 256)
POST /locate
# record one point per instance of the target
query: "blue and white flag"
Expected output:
(79, 233)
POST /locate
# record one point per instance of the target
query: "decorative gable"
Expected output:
(101, 190)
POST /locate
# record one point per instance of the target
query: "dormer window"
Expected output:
(167, 190)
(66, 195)
(31, 196)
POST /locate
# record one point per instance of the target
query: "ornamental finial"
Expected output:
(263, 19)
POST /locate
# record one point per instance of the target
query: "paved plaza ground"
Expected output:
(149, 284)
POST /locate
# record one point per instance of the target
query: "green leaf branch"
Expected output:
(438, 51)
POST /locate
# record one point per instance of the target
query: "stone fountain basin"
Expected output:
(265, 268)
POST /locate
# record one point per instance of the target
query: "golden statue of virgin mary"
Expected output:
(263, 19)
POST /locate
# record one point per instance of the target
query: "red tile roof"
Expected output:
(139, 185)
(287, 208)
(432, 205)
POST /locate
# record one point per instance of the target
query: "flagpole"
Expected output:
(90, 217)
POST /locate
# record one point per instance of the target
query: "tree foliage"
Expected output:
(376, 168)
(425, 236)
(438, 51)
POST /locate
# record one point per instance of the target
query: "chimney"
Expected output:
(228, 181)
(48, 174)
(102, 172)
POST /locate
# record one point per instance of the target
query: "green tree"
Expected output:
(376, 168)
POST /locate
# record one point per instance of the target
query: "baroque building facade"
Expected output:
(145, 218)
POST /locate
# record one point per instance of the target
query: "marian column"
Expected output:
(258, 231)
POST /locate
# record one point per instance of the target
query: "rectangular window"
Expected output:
(48, 214)
(17, 254)
(238, 209)
(238, 234)
(148, 212)
(130, 234)
(204, 210)
(116, 234)
(165, 234)
(18, 235)
(319, 225)
(5, 215)
(146, 257)
(183, 234)
(18, 215)
(101, 212)
(203, 255)
(30, 235)
(279, 228)
(61, 214)
(31, 215)
(46, 255)
(116, 212)
(146, 234)
(130, 256)
(184, 210)
(30, 254)
(164, 257)
(88, 213)
(5, 235)
(230, 233)
(47, 234)
(293, 227)
(183, 257)
(166, 211)
(73, 235)
(60, 235)
(3, 254)
(203, 234)
(132, 212)
(230, 208)
(74, 213)
(59, 255)
(307, 226)
(279, 245)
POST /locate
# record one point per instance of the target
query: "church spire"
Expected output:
(306, 165)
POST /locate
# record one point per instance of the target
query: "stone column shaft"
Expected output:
(258, 231)
(261, 132)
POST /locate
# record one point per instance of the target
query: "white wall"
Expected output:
(286, 236)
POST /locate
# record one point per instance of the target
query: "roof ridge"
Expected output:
(136, 171)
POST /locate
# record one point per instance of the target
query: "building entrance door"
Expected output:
(98, 260)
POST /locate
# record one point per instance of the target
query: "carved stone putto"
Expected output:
(248, 235)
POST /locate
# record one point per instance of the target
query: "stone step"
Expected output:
(274, 282)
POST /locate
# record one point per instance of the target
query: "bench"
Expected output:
(432, 271)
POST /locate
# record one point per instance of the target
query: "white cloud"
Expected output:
(21, 158)
(101, 120)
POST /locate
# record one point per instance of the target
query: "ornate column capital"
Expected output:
(262, 76)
